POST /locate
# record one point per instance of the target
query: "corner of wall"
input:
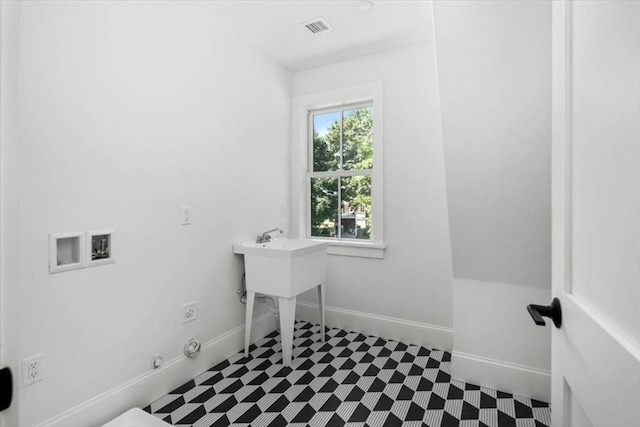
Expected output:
(437, 115)
(496, 343)
(499, 375)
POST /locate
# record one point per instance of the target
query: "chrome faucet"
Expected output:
(266, 237)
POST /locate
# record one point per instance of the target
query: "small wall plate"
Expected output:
(99, 247)
(66, 251)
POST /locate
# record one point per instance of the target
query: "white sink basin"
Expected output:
(279, 248)
(283, 267)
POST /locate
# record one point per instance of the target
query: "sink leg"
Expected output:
(287, 319)
(251, 296)
(321, 306)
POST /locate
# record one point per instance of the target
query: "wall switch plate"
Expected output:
(32, 370)
(189, 312)
(186, 215)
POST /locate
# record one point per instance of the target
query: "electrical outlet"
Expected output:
(186, 215)
(190, 312)
(32, 370)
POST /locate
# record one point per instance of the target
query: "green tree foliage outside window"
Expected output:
(344, 145)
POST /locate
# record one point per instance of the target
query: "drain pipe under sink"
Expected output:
(261, 299)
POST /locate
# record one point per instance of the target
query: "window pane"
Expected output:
(324, 207)
(356, 207)
(357, 140)
(326, 141)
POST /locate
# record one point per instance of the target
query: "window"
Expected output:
(337, 169)
(339, 172)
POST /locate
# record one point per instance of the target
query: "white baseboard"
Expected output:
(406, 331)
(146, 388)
(503, 376)
(497, 344)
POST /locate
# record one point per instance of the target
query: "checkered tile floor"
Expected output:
(352, 379)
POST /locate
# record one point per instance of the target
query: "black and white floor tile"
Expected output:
(351, 380)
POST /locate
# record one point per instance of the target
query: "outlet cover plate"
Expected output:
(32, 370)
(189, 312)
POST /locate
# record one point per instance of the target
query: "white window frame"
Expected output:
(302, 170)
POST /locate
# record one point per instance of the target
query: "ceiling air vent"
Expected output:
(317, 26)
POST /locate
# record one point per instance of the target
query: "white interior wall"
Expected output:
(9, 295)
(129, 110)
(494, 63)
(411, 286)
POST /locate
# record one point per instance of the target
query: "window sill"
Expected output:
(355, 249)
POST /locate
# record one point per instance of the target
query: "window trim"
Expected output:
(368, 94)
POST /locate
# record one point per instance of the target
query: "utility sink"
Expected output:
(283, 267)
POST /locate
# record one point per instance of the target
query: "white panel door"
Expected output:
(596, 212)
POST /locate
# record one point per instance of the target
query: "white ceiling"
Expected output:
(273, 27)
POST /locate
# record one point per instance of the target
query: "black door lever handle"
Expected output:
(552, 311)
(6, 388)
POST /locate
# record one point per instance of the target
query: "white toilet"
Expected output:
(136, 417)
